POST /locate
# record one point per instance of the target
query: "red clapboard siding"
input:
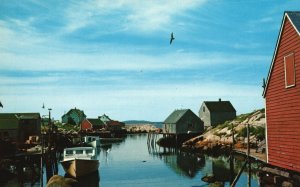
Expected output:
(85, 125)
(283, 104)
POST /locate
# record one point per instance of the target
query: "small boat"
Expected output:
(93, 141)
(79, 161)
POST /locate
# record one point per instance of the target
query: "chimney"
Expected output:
(220, 100)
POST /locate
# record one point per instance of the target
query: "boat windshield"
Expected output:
(89, 151)
(69, 152)
(79, 151)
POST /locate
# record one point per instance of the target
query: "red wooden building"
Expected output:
(91, 124)
(282, 97)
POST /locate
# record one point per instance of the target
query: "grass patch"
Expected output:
(224, 125)
(258, 132)
(243, 117)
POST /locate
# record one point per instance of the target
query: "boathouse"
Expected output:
(282, 98)
(114, 125)
(91, 123)
(213, 113)
(183, 122)
(74, 117)
(17, 127)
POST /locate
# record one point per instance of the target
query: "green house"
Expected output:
(74, 117)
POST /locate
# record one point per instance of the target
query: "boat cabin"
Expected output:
(79, 153)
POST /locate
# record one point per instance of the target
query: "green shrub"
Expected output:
(259, 132)
(224, 125)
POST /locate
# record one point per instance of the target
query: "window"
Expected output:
(203, 108)
(89, 151)
(69, 152)
(289, 69)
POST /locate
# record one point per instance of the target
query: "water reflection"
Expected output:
(183, 163)
(223, 168)
(133, 163)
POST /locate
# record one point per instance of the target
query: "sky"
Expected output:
(114, 57)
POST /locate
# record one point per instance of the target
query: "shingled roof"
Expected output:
(20, 115)
(219, 106)
(175, 116)
(295, 18)
(95, 121)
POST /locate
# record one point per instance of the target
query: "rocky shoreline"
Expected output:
(222, 137)
(140, 128)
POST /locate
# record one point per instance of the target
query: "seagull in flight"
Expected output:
(172, 38)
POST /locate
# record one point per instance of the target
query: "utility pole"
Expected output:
(49, 128)
(248, 155)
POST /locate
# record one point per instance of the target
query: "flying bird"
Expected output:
(172, 38)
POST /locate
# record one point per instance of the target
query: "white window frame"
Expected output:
(292, 85)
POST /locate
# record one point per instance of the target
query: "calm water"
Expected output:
(132, 163)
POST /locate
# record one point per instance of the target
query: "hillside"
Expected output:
(220, 137)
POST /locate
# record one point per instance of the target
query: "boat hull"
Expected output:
(80, 167)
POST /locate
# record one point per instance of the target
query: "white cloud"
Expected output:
(145, 16)
(19, 36)
(121, 61)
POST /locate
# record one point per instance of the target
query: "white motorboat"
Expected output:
(80, 161)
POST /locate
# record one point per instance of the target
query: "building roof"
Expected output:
(105, 117)
(175, 116)
(115, 123)
(80, 113)
(20, 115)
(219, 106)
(294, 17)
(95, 121)
(10, 120)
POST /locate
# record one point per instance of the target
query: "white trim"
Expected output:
(276, 49)
(292, 85)
(266, 132)
(293, 24)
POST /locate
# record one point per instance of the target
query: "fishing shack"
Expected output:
(17, 127)
(282, 98)
(180, 126)
(183, 122)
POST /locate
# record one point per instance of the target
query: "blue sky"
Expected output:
(114, 57)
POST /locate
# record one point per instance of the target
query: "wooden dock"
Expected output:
(262, 157)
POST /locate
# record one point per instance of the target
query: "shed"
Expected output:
(182, 122)
(17, 127)
(114, 125)
(282, 98)
(213, 113)
(91, 123)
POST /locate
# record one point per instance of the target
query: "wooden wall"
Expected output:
(283, 104)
